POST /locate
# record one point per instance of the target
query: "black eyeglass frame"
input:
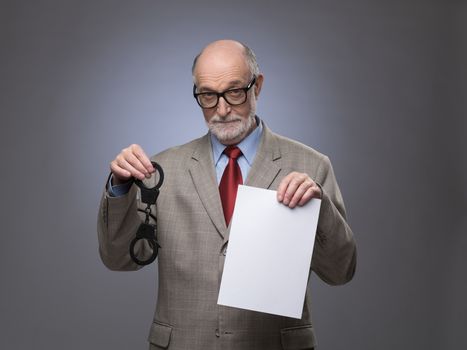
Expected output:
(222, 94)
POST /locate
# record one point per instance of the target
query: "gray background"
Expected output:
(379, 86)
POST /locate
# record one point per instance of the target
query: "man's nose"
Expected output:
(223, 108)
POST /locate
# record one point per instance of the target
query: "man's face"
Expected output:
(223, 70)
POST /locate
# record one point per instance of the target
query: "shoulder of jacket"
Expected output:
(289, 146)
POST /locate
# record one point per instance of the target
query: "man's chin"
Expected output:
(228, 137)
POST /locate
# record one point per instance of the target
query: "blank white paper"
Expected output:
(269, 253)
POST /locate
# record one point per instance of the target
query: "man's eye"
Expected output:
(208, 96)
(235, 92)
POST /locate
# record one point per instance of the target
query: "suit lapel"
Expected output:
(203, 175)
(265, 168)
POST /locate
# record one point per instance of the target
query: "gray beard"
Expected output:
(231, 128)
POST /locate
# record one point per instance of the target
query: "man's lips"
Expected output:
(227, 121)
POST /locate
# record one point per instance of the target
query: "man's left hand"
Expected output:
(297, 189)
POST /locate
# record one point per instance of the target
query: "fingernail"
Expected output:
(148, 175)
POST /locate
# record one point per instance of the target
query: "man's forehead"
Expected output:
(218, 62)
(221, 71)
(222, 80)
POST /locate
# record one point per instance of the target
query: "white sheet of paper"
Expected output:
(269, 253)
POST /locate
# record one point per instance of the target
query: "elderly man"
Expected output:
(196, 203)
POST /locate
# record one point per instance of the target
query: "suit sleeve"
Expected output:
(117, 223)
(335, 255)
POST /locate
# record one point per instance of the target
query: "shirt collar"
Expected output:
(248, 145)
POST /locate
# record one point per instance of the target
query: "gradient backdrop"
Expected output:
(378, 86)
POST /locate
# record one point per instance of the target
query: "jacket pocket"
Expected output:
(298, 338)
(159, 335)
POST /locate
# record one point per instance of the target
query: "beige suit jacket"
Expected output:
(194, 238)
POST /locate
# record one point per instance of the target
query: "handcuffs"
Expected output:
(147, 231)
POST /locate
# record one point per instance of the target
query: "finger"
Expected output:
(123, 163)
(119, 173)
(312, 192)
(143, 158)
(283, 186)
(300, 191)
(136, 163)
(294, 184)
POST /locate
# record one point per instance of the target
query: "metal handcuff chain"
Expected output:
(146, 230)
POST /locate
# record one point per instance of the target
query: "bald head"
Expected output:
(225, 51)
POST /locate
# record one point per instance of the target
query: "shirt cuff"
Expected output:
(118, 190)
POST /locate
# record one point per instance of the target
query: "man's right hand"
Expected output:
(130, 162)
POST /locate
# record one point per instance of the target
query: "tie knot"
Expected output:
(233, 152)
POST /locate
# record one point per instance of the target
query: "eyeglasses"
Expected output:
(233, 97)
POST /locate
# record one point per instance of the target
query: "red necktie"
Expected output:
(231, 178)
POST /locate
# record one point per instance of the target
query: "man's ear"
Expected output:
(258, 84)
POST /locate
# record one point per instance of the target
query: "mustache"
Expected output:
(230, 118)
